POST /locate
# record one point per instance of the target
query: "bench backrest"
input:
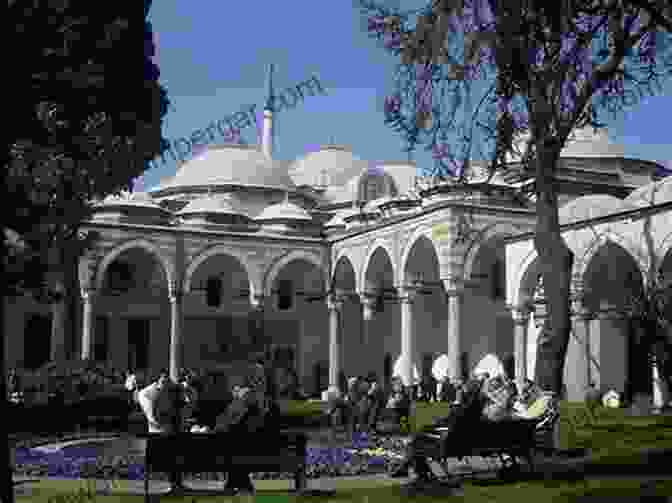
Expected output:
(204, 452)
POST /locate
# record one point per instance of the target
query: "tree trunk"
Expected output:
(556, 261)
(6, 482)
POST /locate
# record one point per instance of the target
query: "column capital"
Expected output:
(335, 302)
(257, 301)
(520, 314)
(368, 300)
(88, 293)
(407, 293)
(175, 294)
(453, 287)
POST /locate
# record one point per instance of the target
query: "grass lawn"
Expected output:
(383, 491)
(611, 434)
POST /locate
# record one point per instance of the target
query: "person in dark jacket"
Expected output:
(462, 417)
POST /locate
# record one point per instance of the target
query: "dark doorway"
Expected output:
(101, 339)
(138, 343)
(37, 340)
(387, 370)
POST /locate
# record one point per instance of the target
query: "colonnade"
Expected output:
(175, 297)
(586, 362)
(406, 295)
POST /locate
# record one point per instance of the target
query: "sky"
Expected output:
(214, 57)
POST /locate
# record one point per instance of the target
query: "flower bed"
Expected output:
(366, 455)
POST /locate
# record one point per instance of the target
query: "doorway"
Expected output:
(138, 343)
(37, 340)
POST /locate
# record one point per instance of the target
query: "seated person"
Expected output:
(400, 400)
(463, 416)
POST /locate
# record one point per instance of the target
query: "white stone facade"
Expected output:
(385, 274)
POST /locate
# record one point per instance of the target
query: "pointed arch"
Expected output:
(377, 245)
(419, 233)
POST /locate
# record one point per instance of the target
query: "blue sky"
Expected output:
(214, 57)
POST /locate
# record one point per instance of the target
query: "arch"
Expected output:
(581, 262)
(664, 249)
(487, 235)
(343, 257)
(148, 246)
(365, 266)
(420, 232)
(219, 250)
(281, 262)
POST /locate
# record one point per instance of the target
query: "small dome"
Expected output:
(331, 165)
(584, 143)
(243, 165)
(125, 198)
(652, 194)
(284, 211)
(593, 206)
(221, 204)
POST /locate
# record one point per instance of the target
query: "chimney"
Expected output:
(267, 133)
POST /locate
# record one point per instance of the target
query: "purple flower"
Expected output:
(440, 151)
(392, 105)
(375, 24)
(393, 41)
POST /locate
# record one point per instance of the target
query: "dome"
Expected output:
(593, 206)
(232, 164)
(284, 211)
(585, 142)
(137, 199)
(588, 142)
(330, 165)
(652, 194)
(222, 204)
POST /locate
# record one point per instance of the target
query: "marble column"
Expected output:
(612, 347)
(335, 305)
(406, 297)
(175, 353)
(580, 365)
(521, 322)
(88, 295)
(454, 292)
(368, 301)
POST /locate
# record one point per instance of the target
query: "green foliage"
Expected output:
(81, 128)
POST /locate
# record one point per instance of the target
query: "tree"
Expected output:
(542, 69)
(81, 130)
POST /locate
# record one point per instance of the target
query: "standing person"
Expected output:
(400, 400)
(376, 398)
(160, 402)
(131, 385)
(250, 413)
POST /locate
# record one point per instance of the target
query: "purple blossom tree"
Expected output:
(539, 69)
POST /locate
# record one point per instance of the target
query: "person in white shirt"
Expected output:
(160, 403)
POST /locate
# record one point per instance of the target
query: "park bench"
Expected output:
(210, 452)
(509, 440)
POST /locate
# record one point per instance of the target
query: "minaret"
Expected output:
(267, 133)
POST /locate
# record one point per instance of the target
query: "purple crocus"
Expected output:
(392, 105)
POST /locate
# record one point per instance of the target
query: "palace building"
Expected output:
(335, 263)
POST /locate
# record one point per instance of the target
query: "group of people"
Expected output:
(171, 407)
(482, 399)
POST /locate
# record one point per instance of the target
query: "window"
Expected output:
(120, 276)
(374, 186)
(498, 279)
(285, 294)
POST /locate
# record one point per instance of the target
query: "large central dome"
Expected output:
(243, 165)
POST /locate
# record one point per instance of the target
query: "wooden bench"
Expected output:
(509, 440)
(211, 452)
